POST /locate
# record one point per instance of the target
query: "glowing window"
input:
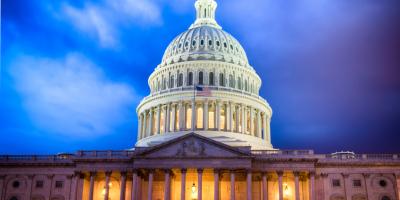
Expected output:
(211, 117)
(199, 118)
(189, 117)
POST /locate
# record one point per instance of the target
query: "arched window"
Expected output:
(190, 81)
(385, 198)
(245, 85)
(231, 81)
(171, 82)
(164, 84)
(221, 79)
(211, 78)
(180, 80)
(239, 83)
(200, 78)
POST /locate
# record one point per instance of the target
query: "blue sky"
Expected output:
(73, 72)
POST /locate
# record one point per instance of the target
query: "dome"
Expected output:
(205, 43)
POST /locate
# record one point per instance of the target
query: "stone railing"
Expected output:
(363, 157)
(36, 158)
(104, 154)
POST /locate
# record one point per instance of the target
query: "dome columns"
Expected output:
(204, 114)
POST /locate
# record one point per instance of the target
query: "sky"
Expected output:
(73, 72)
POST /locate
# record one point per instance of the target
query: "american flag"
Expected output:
(203, 91)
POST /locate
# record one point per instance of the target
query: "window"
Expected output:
(171, 82)
(59, 184)
(225, 44)
(245, 85)
(239, 83)
(211, 78)
(211, 117)
(186, 43)
(217, 43)
(200, 78)
(194, 43)
(16, 184)
(336, 183)
(385, 198)
(231, 81)
(201, 42)
(39, 184)
(180, 80)
(190, 81)
(221, 79)
(382, 183)
(199, 117)
(188, 117)
(357, 183)
(164, 83)
(209, 42)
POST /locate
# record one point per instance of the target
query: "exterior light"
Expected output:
(286, 190)
(194, 194)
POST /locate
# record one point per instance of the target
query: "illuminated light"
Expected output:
(103, 192)
(286, 190)
(194, 193)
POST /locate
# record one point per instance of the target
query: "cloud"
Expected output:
(71, 96)
(103, 21)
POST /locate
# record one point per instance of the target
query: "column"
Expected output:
(167, 185)
(134, 190)
(150, 130)
(245, 119)
(237, 118)
(91, 185)
(158, 120)
(167, 118)
(200, 182)
(252, 121)
(107, 185)
(216, 184)
(396, 185)
(249, 185)
(258, 131)
(29, 185)
(264, 186)
(280, 184)
(296, 185)
(2, 177)
(181, 116)
(312, 185)
(205, 116)
(268, 130)
(139, 132)
(173, 129)
(183, 183)
(345, 176)
(232, 185)
(74, 183)
(123, 186)
(193, 115)
(228, 116)
(79, 188)
(144, 128)
(242, 109)
(150, 187)
(218, 114)
(366, 176)
(264, 116)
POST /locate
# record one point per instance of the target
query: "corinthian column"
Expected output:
(258, 131)
(91, 185)
(205, 114)
(108, 174)
(158, 120)
(280, 184)
(296, 185)
(218, 115)
(150, 131)
(123, 186)
(193, 115)
(181, 116)
(249, 187)
(173, 118)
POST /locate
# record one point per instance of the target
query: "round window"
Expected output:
(15, 184)
(382, 183)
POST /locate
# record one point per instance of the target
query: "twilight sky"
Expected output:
(73, 72)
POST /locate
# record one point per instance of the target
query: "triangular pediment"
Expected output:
(193, 145)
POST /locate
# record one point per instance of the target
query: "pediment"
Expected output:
(193, 145)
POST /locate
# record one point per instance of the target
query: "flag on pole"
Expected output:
(202, 91)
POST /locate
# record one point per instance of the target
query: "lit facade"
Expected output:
(210, 145)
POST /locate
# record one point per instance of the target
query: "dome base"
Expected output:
(228, 138)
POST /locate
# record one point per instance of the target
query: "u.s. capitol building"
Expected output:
(203, 134)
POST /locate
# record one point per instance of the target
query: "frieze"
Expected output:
(191, 147)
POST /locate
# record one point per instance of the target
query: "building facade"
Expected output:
(203, 133)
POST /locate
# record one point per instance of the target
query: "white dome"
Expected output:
(205, 43)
